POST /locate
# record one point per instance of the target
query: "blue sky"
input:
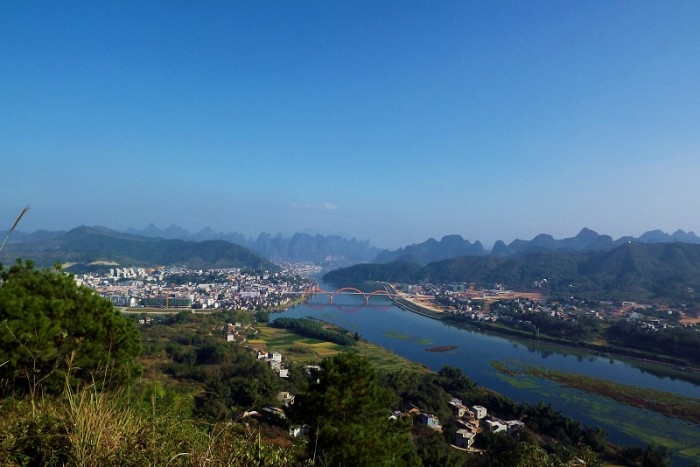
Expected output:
(380, 120)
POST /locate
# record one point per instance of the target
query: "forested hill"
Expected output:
(85, 245)
(633, 271)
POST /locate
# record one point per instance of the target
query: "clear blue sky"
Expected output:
(381, 120)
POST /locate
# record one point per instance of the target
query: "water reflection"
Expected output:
(408, 335)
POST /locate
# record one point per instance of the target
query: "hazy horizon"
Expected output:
(288, 234)
(385, 121)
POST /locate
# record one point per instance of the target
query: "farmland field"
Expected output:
(306, 350)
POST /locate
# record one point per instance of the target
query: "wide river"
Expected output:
(409, 334)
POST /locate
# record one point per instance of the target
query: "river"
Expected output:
(409, 334)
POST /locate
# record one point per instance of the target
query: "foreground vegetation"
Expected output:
(53, 332)
(153, 427)
(194, 398)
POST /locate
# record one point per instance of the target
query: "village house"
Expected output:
(464, 439)
(458, 408)
(429, 420)
(470, 425)
(514, 426)
(479, 411)
(496, 426)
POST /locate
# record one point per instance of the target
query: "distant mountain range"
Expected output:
(329, 250)
(175, 244)
(454, 246)
(451, 246)
(632, 271)
(94, 246)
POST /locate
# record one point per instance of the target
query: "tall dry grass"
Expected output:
(14, 226)
(95, 428)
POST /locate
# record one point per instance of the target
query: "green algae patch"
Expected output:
(505, 369)
(402, 336)
(665, 403)
(441, 348)
(515, 377)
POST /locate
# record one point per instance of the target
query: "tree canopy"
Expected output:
(53, 331)
(349, 415)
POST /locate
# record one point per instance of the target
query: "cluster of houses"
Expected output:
(646, 317)
(469, 421)
(274, 361)
(648, 325)
(235, 332)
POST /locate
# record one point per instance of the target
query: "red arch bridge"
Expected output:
(349, 291)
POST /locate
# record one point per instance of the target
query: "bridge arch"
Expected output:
(348, 290)
(352, 291)
(381, 292)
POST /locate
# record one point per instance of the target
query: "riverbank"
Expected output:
(301, 299)
(409, 334)
(408, 305)
(673, 367)
(403, 302)
(666, 366)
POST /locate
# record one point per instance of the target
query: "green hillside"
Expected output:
(633, 271)
(85, 245)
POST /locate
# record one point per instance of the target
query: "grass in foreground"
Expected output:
(98, 428)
